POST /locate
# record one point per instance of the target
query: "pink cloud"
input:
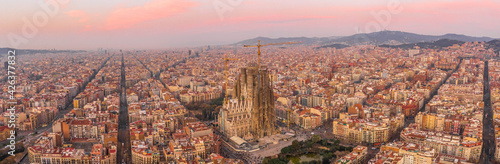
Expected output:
(82, 16)
(156, 9)
(246, 18)
(249, 2)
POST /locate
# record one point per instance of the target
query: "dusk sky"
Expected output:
(156, 24)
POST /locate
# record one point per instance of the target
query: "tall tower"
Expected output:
(124, 153)
(255, 85)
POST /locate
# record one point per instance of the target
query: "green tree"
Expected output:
(295, 144)
(337, 142)
(308, 144)
(276, 161)
(315, 138)
(327, 157)
(287, 150)
(218, 101)
(284, 159)
(204, 114)
(324, 142)
(295, 159)
(265, 161)
(314, 162)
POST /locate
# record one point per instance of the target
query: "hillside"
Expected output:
(375, 38)
(439, 44)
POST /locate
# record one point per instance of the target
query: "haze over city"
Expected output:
(157, 24)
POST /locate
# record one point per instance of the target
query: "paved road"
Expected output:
(488, 149)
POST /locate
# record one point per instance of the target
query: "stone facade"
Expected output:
(251, 111)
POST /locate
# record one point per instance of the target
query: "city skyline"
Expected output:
(156, 24)
(250, 82)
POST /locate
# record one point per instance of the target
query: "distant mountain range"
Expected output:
(441, 43)
(494, 44)
(395, 39)
(376, 38)
(304, 40)
(336, 46)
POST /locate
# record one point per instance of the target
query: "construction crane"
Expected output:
(225, 72)
(288, 112)
(270, 44)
